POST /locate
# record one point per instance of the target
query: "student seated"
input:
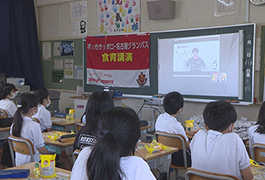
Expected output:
(112, 156)
(23, 126)
(98, 102)
(43, 115)
(168, 122)
(8, 92)
(217, 149)
(256, 133)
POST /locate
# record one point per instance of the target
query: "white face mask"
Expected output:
(49, 103)
(14, 95)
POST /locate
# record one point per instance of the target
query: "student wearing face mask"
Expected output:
(43, 115)
(23, 126)
(8, 92)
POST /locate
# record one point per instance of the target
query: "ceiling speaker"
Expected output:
(164, 9)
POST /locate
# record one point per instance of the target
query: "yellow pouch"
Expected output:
(254, 163)
(189, 124)
(155, 146)
(48, 165)
(55, 136)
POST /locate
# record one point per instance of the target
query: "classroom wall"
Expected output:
(54, 23)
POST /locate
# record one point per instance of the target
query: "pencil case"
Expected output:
(60, 115)
(67, 138)
(14, 173)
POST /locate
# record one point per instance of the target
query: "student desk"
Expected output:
(258, 172)
(4, 132)
(159, 160)
(80, 104)
(61, 124)
(64, 149)
(31, 166)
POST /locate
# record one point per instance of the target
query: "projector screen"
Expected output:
(199, 65)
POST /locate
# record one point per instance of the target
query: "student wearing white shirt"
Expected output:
(167, 122)
(256, 133)
(217, 149)
(7, 92)
(43, 115)
(25, 127)
(112, 156)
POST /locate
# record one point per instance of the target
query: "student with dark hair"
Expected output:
(217, 149)
(98, 102)
(8, 92)
(43, 115)
(23, 126)
(256, 133)
(167, 122)
(112, 156)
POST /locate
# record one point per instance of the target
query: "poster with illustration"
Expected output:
(118, 16)
(67, 48)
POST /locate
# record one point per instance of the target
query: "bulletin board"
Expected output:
(62, 63)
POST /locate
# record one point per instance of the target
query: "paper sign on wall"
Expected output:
(68, 68)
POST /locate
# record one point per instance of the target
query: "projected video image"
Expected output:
(197, 54)
(199, 65)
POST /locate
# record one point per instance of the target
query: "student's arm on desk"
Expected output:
(246, 174)
(43, 150)
(192, 133)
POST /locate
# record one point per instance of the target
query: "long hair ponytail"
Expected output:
(25, 102)
(118, 133)
(98, 103)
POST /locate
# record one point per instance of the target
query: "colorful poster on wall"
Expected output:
(118, 16)
(67, 48)
(118, 61)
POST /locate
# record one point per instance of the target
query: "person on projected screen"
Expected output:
(195, 63)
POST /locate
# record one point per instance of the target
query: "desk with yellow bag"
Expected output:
(62, 124)
(53, 145)
(158, 159)
(61, 173)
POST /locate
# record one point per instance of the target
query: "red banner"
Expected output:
(106, 55)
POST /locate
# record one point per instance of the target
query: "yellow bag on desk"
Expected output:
(189, 125)
(48, 165)
(155, 146)
(55, 136)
